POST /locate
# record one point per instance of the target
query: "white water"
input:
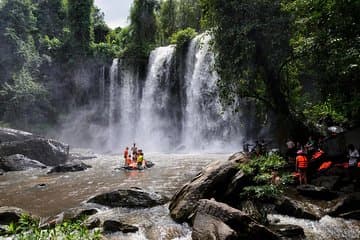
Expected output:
(206, 122)
(113, 101)
(327, 228)
(154, 129)
(172, 109)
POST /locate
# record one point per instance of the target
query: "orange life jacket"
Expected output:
(126, 153)
(128, 161)
(302, 161)
(325, 165)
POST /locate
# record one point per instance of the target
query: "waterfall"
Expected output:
(113, 100)
(129, 103)
(175, 106)
(156, 126)
(102, 86)
(206, 123)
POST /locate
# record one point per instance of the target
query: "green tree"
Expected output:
(167, 20)
(142, 28)
(51, 18)
(188, 14)
(81, 25)
(100, 27)
(325, 42)
(20, 91)
(251, 39)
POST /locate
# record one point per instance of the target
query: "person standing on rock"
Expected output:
(302, 165)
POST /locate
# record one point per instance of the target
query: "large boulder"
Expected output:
(11, 135)
(10, 215)
(288, 231)
(315, 192)
(19, 162)
(69, 167)
(226, 223)
(329, 182)
(208, 227)
(346, 206)
(298, 209)
(46, 151)
(71, 214)
(110, 226)
(211, 182)
(129, 198)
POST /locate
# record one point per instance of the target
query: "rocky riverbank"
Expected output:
(210, 203)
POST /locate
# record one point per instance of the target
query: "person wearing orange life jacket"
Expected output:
(301, 166)
(126, 155)
(128, 161)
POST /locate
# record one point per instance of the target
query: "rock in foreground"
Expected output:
(210, 183)
(19, 162)
(46, 151)
(215, 220)
(69, 167)
(129, 198)
(11, 135)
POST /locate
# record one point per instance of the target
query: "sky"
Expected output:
(116, 11)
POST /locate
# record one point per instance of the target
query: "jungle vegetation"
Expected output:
(296, 58)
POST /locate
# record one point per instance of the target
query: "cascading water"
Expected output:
(113, 100)
(156, 125)
(206, 124)
(172, 108)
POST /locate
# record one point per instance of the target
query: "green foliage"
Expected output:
(176, 15)
(104, 50)
(142, 29)
(81, 25)
(188, 14)
(182, 37)
(316, 112)
(326, 47)
(251, 41)
(28, 229)
(262, 169)
(100, 27)
(167, 19)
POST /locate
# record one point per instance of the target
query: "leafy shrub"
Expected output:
(262, 170)
(28, 229)
(316, 112)
(183, 36)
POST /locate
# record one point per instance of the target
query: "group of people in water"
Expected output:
(134, 158)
